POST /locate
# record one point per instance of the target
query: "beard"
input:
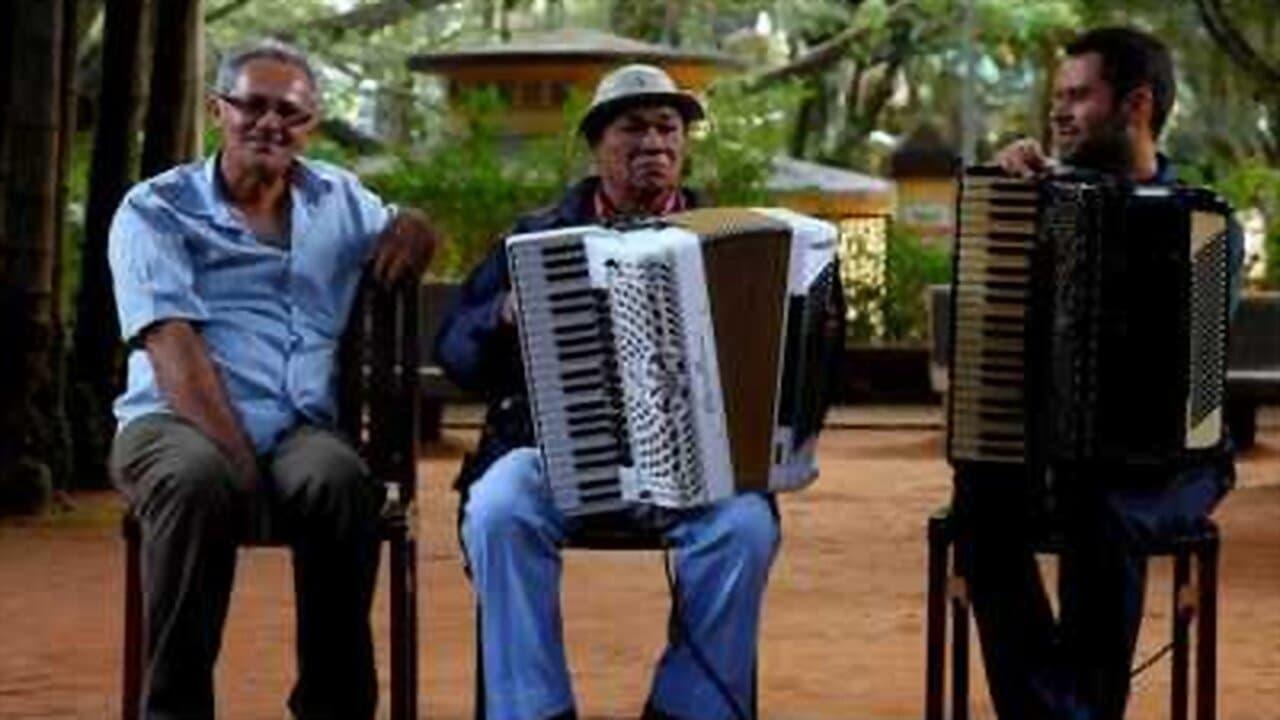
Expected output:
(1105, 147)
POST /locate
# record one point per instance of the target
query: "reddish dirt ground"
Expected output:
(843, 629)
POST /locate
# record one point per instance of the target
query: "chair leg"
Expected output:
(131, 702)
(479, 692)
(960, 658)
(1178, 697)
(404, 628)
(755, 689)
(936, 620)
(1207, 632)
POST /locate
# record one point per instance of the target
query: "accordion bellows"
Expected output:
(1089, 322)
(675, 362)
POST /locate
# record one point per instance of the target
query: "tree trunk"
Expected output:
(26, 256)
(196, 87)
(61, 459)
(96, 357)
(170, 112)
(6, 101)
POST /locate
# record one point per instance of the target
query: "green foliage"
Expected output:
(731, 157)
(1255, 185)
(891, 306)
(474, 187)
(910, 268)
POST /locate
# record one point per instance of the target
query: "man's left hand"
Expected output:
(405, 247)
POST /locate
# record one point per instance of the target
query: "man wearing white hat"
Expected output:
(512, 532)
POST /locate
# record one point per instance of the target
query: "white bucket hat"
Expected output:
(632, 85)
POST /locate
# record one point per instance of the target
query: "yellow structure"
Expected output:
(536, 73)
(924, 169)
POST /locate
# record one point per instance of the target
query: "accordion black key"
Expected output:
(1089, 323)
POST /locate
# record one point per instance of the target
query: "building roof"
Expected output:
(579, 44)
(794, 175)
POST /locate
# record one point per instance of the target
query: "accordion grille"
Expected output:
(648, 337)
(1208, 324)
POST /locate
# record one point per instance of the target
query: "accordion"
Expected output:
(677, 361)
(1089, 323)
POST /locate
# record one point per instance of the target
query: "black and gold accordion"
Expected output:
(1089, 323)
(676, 361)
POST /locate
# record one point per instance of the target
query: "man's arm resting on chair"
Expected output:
(190, 383)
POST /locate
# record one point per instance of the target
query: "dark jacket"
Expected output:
(482, 355)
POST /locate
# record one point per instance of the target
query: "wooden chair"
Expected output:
(377, 409)
(1191, 600)
(597, 536)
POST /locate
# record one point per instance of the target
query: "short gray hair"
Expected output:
(269, 49)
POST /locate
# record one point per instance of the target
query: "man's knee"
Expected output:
(327, 476)
(506, 498)
(194, 481)
(747, 524)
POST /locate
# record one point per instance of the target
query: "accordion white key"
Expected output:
(676, 362)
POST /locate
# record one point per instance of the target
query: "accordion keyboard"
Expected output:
(565, 326)
(995, 242)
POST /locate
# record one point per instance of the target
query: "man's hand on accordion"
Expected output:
(507, 315)
(1024, 158)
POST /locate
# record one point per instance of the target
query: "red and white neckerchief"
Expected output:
(606, 210)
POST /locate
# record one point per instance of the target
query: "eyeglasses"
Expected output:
(254, 107)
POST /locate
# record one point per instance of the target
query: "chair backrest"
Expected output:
(378, 381)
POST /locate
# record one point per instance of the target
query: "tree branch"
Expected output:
(224, 10)
(830, 51)
(1235, 45)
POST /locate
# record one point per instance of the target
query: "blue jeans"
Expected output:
(512, 533)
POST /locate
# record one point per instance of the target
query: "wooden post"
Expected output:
(30, 140)
(95, 363)
(170, 111)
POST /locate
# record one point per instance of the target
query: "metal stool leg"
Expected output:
(134, 639)
(1207, 635)
(960, 657)
(936, 619)
(1178, 698)
(479, 693)
(404, 630)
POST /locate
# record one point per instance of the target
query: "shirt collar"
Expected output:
(1165, 172)
(306, 180)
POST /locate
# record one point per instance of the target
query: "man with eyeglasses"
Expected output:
(234, 278)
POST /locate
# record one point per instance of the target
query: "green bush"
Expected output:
(910, 268)
(891, 306)
(731, 155)
(1247, 185)
(474, 187)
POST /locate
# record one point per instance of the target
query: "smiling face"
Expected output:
(1090, 125)
(640, 154)
(266, 117)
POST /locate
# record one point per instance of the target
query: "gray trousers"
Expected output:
(320, 501)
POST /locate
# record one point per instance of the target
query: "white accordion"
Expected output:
(679, 361)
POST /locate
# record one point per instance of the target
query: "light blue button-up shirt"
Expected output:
(271, 318)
